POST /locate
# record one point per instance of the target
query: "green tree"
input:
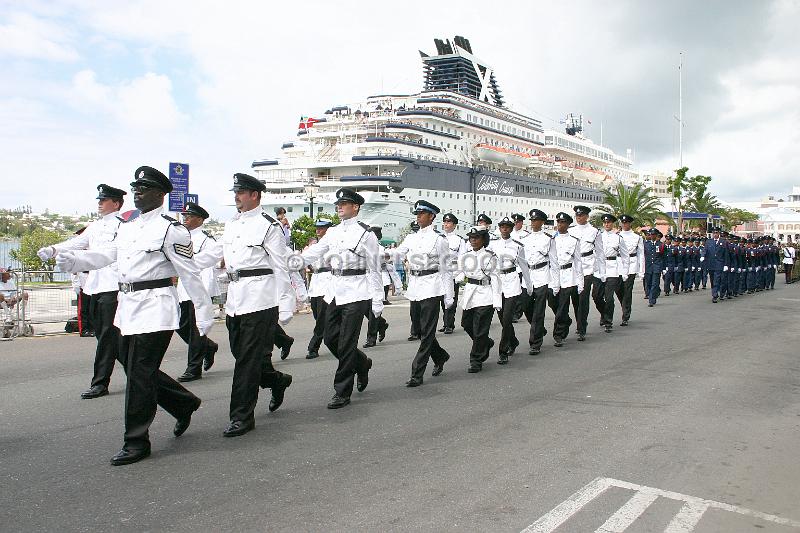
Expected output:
(30, 244)
(637, 201)
(303, 229)
(732, 216)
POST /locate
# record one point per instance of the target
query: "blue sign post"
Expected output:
(179, 177)
(190, 198)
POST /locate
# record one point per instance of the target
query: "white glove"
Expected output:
(46, 253)
(284, 317)
(448, 302)
(724, 269)
(580, 290)
(204, 327)
(66, 261)
(664, 271)
(555, 290)
(702, 259)
(498, 309)
(377, 307)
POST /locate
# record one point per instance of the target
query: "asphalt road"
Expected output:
(694, 398)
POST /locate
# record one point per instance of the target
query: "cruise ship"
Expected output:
(455, 144)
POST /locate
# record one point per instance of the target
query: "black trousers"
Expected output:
(319, 308)
(787, 270)
(560, 306)
(625, 295)
(281, 339)
(534, 312)
(148, 386)
(428, 345)
(374, 323)
(342, 328)
(414, 311)
(251, 337)
(449, 314)
(508, 337)
(84, 312)
(605, 300)
(580, 302)
(476, 323)
(519, 305)
(103, 308)
(198, 344)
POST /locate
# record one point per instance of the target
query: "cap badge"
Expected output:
(141, 174)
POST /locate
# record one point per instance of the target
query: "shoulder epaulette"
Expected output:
(121, 220)
(208, 234)
(491, 252)
(516, 241)
(461, 237)
(269, 218)
(574, 237)
(551, 235)
(171, 220)
(363, 225)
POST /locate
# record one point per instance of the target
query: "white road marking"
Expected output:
(628, 513)
(687, 518)
(683, 522)
(789, 299)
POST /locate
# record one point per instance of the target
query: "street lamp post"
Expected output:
(311, 188)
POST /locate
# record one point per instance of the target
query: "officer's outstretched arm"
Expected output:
(446, 273)
(83, 260)
(374, 259)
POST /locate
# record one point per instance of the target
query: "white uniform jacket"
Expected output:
(540, 255)
(519, 234)
(480, 266)
(97, 236)
(511, 261)
(254, 240)
(318, 285)
(568, 258)
(592, 256)
(427, 250)
(207, 255)
(617, 259)
(350, 246)
(457, 245)
(635, 245)
(150, 247)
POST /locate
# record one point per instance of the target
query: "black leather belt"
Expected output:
(238, 274)
(424, 272)
(633, 255)
(508, 270)
(564, 267)
(612, 258)
(584, 254)
(142, 285)
(537, 266)
(476, 281)
(321, 270)
(349, 272)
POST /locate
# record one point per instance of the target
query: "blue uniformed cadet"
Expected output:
(680, 263)
(775, 253)
(701, 274)
(317, 286)
(688, 274)
(716, 258)
(458, 246)
(149, 251)
(654, 265)
(669, 264)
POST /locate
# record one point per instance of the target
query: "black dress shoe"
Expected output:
(503, 359)
(182, 424)
(369, 344)
(208, 358)
(87, 333)
(188, 376)
(448, 331)
(278, 392)
(413, 337)
(338, 402)
(312, 355)
(558, 342)
(439, 368)
(94, 392)
(382, 331)
(609, 328)
(414, 382)
(534, 351)
(581, 336)
(623, 323)
(285, 350)
(126, 457)
(441, 330)
(387, 302)
(648, 305)
(473, 369)
(237, 428)
(362, 378)
(714, 300)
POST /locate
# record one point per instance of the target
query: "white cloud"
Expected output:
(30, 37)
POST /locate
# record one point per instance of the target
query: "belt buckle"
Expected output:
(485, 282)
(124, 288)
(233, 276)
(336, 271)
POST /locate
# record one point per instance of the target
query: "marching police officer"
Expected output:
(593, 263)
(511, 261)
(377, 325)
(355, 289)
(540, 255)
(207, 254)
(569, 281)
(653, 266)
(635, 245)
(617, 264)
(457, 245)
(320, 279)
(518, 233)
(102, 285)
(260, 295)
(430, 281)
(149, 250)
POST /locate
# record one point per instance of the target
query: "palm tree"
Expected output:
(637, 201)
(704, 203)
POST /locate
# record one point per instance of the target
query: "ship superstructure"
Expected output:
(454, 144)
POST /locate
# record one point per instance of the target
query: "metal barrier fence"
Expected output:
(48, 304)
(12, 310)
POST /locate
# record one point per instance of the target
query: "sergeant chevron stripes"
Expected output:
(185, 250)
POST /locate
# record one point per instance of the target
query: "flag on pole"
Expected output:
(306, 122)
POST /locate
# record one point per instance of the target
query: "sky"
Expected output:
(91, 90)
